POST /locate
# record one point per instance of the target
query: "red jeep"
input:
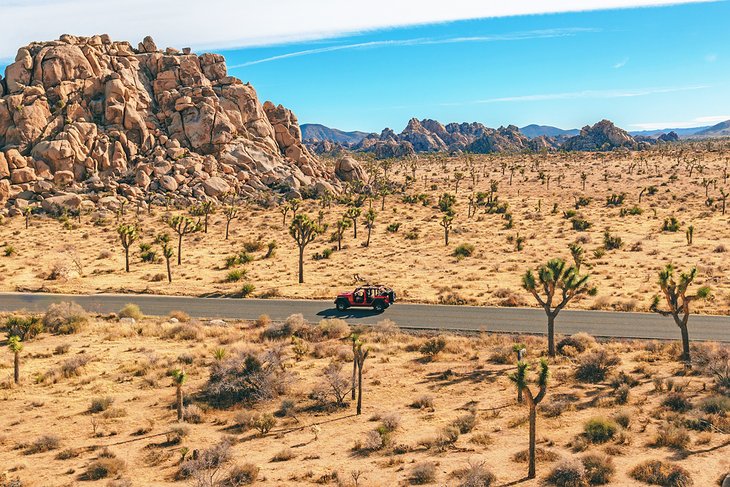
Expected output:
(377, 297)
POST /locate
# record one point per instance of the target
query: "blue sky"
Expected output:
(643, 68)
(368, 64)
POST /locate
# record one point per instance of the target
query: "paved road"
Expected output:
(422, 316)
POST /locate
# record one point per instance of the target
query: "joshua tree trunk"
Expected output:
(179, 395)
(179, 249)
(126, 258)
(359, 391)
(16, 372)
(533, 428)
(551, 334)
(446, 236)
(367, 243)
(301, 265)
(169, 272)
(354, 373)
(354, 228)
(685, 340)
(228, 224)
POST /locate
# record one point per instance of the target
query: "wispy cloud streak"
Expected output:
(425, 41)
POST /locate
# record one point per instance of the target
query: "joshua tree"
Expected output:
(520, 380)
(583, 179)
(369, 224)
(446, 222)
(577, 252)
(294, 204)
(128, 235)
(204, 209)
(677, 299)
(352, 214)
(15, 347)
(360, 356)
(553, 278)
(231, 213)
(723, 198)
(690, 234)
(182, 225)
(164, 241)
(355, 339)
(303, 230)
(342, 225)
(178, 379)
(458, 176)
(27, 212)
(284, 210)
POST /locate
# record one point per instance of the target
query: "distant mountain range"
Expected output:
(420, 136)
(315, 132)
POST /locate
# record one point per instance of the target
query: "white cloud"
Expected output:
(695, 122)
(593, 94)
(621, 63)
(711, 58)
(517, 36)
(228, 23)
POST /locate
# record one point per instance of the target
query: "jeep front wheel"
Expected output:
(379, 306)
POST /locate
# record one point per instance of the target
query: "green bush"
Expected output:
(463, 250)
(236, 275)
(657, 472)
(716, 405)
(580, 225)
(594, 366)
(433, 346)
(393, 228)
(24, 327)
(247, 290)
(599, 429)
(670, 225)
(676, 401)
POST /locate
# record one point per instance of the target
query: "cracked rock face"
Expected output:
(88, 114)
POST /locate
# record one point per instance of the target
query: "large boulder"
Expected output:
(68, 201)
(348, 169)
(216, 186)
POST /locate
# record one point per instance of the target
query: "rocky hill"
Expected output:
(721, 129)
(314, 132)
(534, 130)
(88, 115)
(602, 136)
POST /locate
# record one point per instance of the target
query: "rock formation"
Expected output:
(602, 136)
(88, 115)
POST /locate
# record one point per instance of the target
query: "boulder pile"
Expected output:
(90, 116)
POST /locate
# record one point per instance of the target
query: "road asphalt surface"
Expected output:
(417, 316)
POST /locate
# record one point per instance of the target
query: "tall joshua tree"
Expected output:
(360, 356)
(303, 230)
(182, 225)
(204, 209)
(355, 339)
(352, 214)
(178, 379)
(15, 347)
(678, 301)
(554, 286)
(231, 213)
(342, 225)
(520, 380)
(446, 222)
(128, 235)
(284, 210)
(369, 224)
(164, 241)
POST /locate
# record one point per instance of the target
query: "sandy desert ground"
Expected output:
(105, 395)
(65, 256)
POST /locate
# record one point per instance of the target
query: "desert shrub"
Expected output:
(43, 444)
(622, 418)
(580, 342)
(180, 316)
(99, 404)
(193, 414)
(291, 326)
(670, 225)
(67, 454)
(262, 321)
(247, 289)
(253, 246)
(185, 331)
(594, 366)
(238, 475)
(716, 405)
(541, 455)
(554, 408)
(176, 435)
(657, 472)
(247, 378)
(475, 475)
(447, 436)
(580, 225)
(465, 423)
(671, 436)
(598, 468)
(333, 328)
(621, 394)
(283, 456)
(599, 429)
(236, 275)
(65, 318)
(61, 349)
(423, 473)
(433, 346)
(677, 401)
(73, 366)
(393, 227)
(334, 386)
(390, 422)
(131, 311)
(24, 327)
(423, 402)
(104, 467)
(325, 254)
(463, 250)
(207, 468)
(569, 473)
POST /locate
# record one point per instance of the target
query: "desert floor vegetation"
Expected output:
(623, 223)
(436, 409)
